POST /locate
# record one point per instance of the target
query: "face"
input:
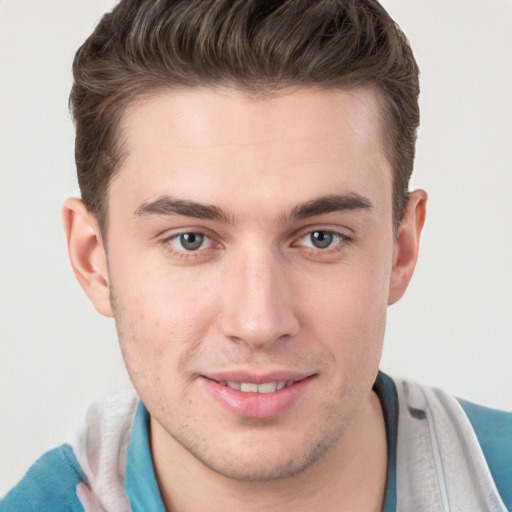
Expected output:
(250, 257)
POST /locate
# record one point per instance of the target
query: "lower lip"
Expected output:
(256, 405)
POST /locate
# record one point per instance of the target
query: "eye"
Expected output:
(321, 239)
(190, 241)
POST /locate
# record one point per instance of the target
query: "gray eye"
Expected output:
(321, 239)
(191, 241)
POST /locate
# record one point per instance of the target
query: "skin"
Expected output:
(257, 295)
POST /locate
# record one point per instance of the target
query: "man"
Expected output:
(245, 218)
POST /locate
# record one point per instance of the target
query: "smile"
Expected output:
(267, 398)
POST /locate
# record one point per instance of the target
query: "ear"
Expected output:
(87, 253)
(407, 245)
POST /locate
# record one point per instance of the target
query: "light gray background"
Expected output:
(453, 329)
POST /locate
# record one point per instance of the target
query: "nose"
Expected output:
(258, 301)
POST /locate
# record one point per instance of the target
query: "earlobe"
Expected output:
(87, 253)
(407, 245)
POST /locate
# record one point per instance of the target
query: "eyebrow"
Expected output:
(167, 205)
(331, 203)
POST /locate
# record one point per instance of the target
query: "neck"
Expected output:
(350, 476)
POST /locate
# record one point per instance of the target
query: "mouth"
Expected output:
(258, 397)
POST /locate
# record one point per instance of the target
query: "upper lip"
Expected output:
(257, 378)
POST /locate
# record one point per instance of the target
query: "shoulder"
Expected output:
(49, 484)
(493, 428)
(491, 425)
(470, 445)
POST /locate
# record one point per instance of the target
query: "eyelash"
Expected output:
(338, 245)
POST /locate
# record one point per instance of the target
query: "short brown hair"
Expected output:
(258, 46)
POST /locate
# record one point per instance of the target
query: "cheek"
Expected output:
(347, 297)
(347, 310)
(160, 318)
(156, 296)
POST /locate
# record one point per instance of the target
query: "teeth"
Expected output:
(265, 387)
(248, 387)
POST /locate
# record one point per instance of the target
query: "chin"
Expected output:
(264, 463)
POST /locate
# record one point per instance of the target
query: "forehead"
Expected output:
(213, 143)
